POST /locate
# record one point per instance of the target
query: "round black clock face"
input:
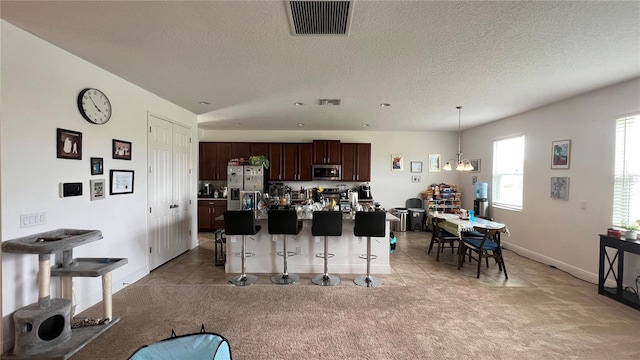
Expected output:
(94, 106)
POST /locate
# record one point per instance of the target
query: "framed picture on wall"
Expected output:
(434, 162)
(397, 162)
(476, 165)
(121, 149)
(560, 154)
(96, 166)
(416, 166)
(560, 188)
(121, 182)
(97, 189)
(69, 144)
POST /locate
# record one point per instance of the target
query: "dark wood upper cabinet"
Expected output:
(260, 149)
(348, 161)
(287, 161)
(206, 161)
(213, 159)
(223, 155)
(275, 161)
(364, 162)
(356, 162)
(296, 162)
(240, 150)
(326, 151)
(305, 160)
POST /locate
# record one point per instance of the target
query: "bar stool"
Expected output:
(241, 222)
(369, 224)
(284, 222)
(326, 223)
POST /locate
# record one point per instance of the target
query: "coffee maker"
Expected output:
(365, 192)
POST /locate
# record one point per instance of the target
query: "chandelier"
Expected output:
(462, 164)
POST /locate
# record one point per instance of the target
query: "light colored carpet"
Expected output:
(426, 310)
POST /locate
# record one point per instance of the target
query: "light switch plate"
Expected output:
(36, 219)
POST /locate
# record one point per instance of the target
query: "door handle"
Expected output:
(173, 206)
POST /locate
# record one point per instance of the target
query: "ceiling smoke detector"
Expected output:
(319, 17)
(330, 102)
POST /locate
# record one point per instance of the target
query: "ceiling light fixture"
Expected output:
(462, 164)
(365, 125)
(385, 104)
(301, 124)
(298, 104)
(204, 103)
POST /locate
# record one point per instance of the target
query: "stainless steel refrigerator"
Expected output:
(243, 178)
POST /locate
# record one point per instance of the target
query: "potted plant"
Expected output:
(632, 229)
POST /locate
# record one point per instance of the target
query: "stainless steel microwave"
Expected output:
(326, 172)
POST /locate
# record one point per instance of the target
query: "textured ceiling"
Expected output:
(497, 59)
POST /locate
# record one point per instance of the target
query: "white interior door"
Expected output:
(168, 184)
(181, 189)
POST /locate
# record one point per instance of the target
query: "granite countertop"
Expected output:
(308, 215)
(210, 198)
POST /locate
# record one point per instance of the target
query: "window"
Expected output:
(626, 187)
(508, 172)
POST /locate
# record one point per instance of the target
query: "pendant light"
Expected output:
(462, 164)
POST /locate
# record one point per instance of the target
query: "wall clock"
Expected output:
(94, 106)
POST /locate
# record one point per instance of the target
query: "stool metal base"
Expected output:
(368, 281)
(243, 280)
(283, 279)
(325, 280)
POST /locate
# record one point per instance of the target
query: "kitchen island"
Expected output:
(346, 249)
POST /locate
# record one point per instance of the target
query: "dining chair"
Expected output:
(473, 233)
(440, 237)
(487, 246)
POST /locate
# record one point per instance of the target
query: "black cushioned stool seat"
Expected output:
(326, 223)
(369, 224)
(241, 222)
(284, 222)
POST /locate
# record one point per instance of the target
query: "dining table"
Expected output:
(456, 225)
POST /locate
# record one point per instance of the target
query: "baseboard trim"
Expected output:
(575, 271)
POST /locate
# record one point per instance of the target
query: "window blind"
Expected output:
(626, 188)
(508, 172)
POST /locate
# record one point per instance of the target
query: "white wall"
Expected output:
(390, 188)
(559, 232)
(40, 84)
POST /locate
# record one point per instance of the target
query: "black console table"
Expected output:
(621, 246)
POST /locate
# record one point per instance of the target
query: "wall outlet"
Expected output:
(299, 250)
(36, 219)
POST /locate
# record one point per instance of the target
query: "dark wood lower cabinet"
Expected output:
(208, 211)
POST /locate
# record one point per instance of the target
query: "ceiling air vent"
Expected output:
(330, 102)
(320, 17)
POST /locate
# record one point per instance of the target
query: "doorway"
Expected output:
(169, 179)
